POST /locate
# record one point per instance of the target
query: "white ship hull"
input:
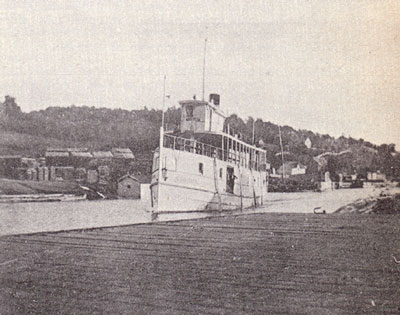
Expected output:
(181, 187)
(203, 167)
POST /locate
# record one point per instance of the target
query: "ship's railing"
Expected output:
(194, 146)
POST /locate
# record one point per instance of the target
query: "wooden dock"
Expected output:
(250, 264)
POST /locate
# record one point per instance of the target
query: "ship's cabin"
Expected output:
(202, 116)
(202, 132)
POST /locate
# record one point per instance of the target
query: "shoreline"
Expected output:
(27, 218)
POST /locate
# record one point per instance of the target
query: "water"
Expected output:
(58, 216)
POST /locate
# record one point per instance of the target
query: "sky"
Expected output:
(332, 67)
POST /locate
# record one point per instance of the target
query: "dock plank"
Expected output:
(250, 264)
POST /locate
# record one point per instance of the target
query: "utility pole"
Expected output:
(283, 160)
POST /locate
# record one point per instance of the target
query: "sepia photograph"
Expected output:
(200, 157)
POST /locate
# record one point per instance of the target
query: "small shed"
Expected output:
(292, 168)
(92, 176)
(128, 187)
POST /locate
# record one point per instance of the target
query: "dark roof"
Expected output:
(143, 178)
(127, 176)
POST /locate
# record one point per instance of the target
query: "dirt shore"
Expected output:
(21, 187)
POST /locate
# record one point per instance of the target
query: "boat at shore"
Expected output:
(204, 166)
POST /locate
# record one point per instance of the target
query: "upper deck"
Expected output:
(220, 145)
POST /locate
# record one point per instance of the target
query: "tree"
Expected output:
(10, 107)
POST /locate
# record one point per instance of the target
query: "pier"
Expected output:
(252, 264)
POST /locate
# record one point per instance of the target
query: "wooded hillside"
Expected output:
(102, 128)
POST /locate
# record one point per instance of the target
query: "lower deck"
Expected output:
(250, 264)
(192, 182)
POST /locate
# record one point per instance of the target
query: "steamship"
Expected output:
(204, 166)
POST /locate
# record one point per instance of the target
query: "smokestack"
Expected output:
(214, 99)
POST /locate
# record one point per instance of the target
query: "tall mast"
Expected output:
(204, 67)
(163, 104)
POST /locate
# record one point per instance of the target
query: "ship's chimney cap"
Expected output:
(214, 99)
